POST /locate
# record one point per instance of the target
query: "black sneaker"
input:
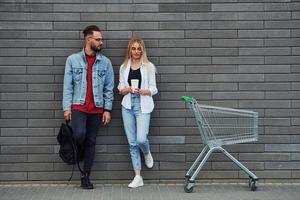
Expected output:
(86, 183)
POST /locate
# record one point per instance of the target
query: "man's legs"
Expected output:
(85, 127)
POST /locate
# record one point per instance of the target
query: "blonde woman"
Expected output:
(137, 84)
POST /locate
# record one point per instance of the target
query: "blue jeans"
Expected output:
(136, 125)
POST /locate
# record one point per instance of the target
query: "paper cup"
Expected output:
(134, 84)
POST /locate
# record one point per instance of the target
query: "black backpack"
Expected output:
(68, 150)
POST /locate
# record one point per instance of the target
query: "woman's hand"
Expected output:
(144, 92)
(125, 91)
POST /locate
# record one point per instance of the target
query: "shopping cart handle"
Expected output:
(187, 99)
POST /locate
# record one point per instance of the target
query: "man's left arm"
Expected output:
(108, 93)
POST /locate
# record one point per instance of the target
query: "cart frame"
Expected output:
(220, 126)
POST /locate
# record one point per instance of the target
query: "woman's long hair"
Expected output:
(138, 40)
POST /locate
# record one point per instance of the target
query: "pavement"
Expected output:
(151, 191)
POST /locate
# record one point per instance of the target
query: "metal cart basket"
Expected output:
(220, 126)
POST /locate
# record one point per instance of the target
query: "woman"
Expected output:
(137, 104)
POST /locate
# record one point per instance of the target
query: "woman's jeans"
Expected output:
(85, 127)
(136, 125)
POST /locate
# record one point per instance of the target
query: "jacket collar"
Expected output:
(98, 55)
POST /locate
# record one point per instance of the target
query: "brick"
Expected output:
(39, 123)
(76, 25)
(178, 131)
(282, 59)
(282, 165)
(211, 86)
(238, 78)
(27, 79)
(282, 147)
(211, 69)
(269, 174)
(158, 17)
(50, 52)
(28, 7)
(238, 95)
(132, 8)
(186, 78)
(232, 165)
(237, 43)
(13, 158)
(13, 34)
(277, 7)
(25, 43)
(184, 8)
(185, 43)
(282, 113)
(26, 149)
(53, 34)
(264, 15)
(281, 130)
(184, 25)
(12, 70)
(237, 25)
(5, 123)
(281, 77)
(159, 34)
(13, 52)
(295, 156)
(264, 86)
(168, 69)
(238, 7)
(211, 52)
(27, 131)
(79, 8)
(26, 61)
(132, 26)
(26, 25)
(13, 141)
(42, 140)
(212, 16)
(45, 87)
(287, 42)
(185, 60)
(13, 176)
(107, 17)
(264, 33)
(264, 156)
(264, 51)
(26, 167)
(27, 96)
(264, 69)
(177, 95)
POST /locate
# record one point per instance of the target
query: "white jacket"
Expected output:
(148, 82)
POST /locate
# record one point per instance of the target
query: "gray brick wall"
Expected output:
(234, 53)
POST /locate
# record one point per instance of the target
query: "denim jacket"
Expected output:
(75, 81)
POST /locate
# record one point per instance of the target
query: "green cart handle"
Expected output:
(187, 99)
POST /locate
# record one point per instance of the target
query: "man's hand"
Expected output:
(105, 118)
(67, 115)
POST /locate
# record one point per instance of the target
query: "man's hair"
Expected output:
(89, 30)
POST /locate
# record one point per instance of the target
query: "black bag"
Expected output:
(68, 150)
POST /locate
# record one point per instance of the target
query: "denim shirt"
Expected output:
(75, 81)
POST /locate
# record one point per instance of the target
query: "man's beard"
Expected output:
(95, 49)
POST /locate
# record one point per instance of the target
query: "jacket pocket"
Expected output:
(101, 73)
(77, 74)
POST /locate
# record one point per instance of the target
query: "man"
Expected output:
(88, 96)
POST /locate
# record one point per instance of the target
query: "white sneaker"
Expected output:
(148, 160)
(136, 182)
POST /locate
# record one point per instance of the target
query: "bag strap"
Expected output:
(75, 155)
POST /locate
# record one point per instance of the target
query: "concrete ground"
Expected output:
(151, 191)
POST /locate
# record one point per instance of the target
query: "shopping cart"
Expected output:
(220, 126)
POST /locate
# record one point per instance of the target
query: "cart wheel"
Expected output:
(253, 186)
(249, 181)
(189, 187)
